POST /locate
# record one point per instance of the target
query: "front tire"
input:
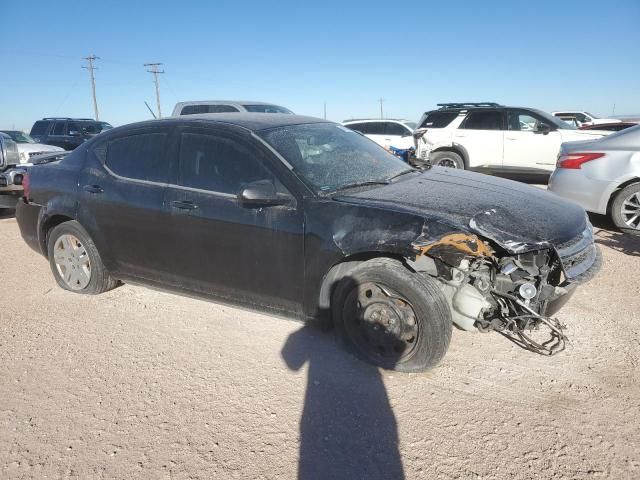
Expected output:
(625, 209)
(447, 159)
(75, 261)
(391, 317)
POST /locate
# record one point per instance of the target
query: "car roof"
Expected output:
(223, 102)
(250, 121)
(397, 120)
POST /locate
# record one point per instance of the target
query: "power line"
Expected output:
(155, 71)
(90, 59)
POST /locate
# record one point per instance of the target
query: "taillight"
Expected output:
(575, 160)
(26, 186)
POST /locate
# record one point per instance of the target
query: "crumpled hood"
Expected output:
(517, 217)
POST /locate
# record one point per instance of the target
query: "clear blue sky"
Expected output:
(545, 54)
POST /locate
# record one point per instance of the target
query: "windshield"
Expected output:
(592, 115)
(329, 157)
(558, 122)
(19, 137)
(411, 125)
(266, 109)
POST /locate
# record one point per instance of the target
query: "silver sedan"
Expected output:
(603, 176)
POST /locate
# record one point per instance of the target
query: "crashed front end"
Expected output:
(495, 282)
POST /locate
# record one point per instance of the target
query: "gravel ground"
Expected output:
(138, 383)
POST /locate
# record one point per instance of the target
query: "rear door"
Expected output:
(57, 134)
(397, 135)
(376, 132)
(252, 255)
(528, 148)
(122, 189)
(482, 135)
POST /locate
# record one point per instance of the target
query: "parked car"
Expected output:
(28, 147)
(226, 106)
(67, 133)
(603, 176)
(492, 138)
(609, 127)
(309, 219)
(11, 174)
(583, 118)
(386, 133)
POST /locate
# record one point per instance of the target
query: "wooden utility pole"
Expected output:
(91, 68)
(155, 71)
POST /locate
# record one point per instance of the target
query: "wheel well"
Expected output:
(49, 224)
(341, 269)
(454, 150)
(618, 188)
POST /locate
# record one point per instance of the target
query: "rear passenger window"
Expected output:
(39, 128)
(217, 164)
(195, 109)
(58, 129)
(438, 119)
(375, 128)
(396, 129)
(140, 157)
(483, 120)
(359, 127)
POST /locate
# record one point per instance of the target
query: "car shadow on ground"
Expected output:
(347, 429)
(7, 213)
(608, 235)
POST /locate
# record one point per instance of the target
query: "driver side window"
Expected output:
(522, 121)
(218, 164)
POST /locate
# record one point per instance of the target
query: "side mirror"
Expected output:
(261, 194)
(542, 128)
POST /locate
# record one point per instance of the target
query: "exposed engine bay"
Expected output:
(488, 290)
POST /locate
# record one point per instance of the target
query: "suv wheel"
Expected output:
(75, 261)
(625, 210)
(392, 317)
(447, 159)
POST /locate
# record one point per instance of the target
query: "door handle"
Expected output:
(183, 205)
(93, 188)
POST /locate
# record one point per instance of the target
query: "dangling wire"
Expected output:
(515, 331)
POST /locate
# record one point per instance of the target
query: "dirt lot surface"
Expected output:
(137, 383)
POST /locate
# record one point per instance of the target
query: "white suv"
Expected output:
(493, 138)
(385, 132)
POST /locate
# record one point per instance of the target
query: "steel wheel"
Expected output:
(380, 322)
(630, 211)
(72, 262)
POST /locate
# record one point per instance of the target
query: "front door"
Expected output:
(531, 143)
(252, 255)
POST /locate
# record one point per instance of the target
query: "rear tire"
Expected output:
(75, 261)
(391, 317)
(447, 159)
(625, 209)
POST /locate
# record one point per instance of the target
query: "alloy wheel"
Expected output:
(72, 262)
(447, 162)
(631, 211)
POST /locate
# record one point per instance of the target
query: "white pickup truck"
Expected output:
(11, 174)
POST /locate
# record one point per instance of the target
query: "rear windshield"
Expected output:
(266, 109)
(438, 119)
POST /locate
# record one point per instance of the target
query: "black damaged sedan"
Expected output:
(302, 217)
